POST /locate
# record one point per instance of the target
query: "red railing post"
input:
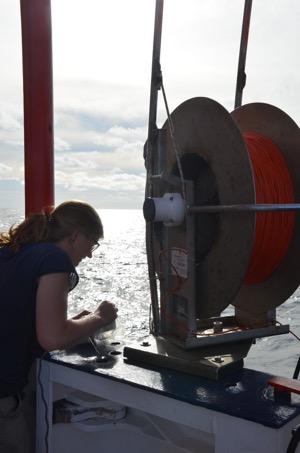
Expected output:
(38, 104)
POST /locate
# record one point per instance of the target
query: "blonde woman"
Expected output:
(37, 270)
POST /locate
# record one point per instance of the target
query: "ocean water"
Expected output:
(118, 272)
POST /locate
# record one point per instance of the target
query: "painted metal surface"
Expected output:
(160, 423)
(244, 394)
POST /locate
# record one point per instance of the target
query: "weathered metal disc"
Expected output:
(204, 128)
(273, 123)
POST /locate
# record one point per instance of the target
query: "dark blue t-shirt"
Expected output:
(19, 276)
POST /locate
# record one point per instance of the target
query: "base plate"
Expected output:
(207, 362)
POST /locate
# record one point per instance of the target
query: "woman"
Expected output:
(37, 270)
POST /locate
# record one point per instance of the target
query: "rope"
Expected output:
(172, 134)
(273, 185)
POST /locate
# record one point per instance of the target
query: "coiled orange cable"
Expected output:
(273, 185)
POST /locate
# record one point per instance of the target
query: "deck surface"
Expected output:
(244, 394)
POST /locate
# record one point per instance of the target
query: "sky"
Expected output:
(102, 52)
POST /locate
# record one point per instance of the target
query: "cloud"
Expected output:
(112, 180)
(4, 168)
(72, 162)
(61, 145)
(122, 139)
(102, 70)
(116, 165)
(11, 119)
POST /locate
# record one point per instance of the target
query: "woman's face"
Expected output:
(81, 246)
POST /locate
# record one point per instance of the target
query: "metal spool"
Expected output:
(272, 122)
(213, 154)
(207, 137)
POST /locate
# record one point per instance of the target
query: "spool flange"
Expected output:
(205, 130)
(273, 123)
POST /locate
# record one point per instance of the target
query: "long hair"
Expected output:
(52, 226)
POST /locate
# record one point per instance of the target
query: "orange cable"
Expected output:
(273, 185)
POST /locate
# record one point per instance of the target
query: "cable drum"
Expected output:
(273, 185)
(278, 167)
(251, 259)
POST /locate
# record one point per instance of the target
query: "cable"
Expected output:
(172, 133)
(180, 281)
(273, 185)
(294, 441)
(44, 401)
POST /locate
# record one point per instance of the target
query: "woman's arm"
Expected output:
(54, 329)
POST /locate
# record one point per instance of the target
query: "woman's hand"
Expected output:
(107, 311)
(81, 314)
(54, 329)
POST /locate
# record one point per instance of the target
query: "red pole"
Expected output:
(38, 104)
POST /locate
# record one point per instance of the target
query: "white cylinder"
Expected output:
(170, 209)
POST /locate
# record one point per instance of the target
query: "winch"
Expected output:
(222, 229)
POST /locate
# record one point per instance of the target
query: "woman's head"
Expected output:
(74, 215)
(55, 225)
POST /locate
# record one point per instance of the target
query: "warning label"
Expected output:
(179, 262)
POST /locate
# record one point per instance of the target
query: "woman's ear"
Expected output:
(74, 236)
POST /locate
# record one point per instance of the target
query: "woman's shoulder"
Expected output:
(48, 256)
(54, 259)
(43, 247)
(43, 251)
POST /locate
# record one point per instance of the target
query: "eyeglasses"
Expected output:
(95, 246)
(96, 243)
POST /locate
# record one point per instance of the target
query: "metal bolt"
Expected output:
(218, 326)
(218, 359)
